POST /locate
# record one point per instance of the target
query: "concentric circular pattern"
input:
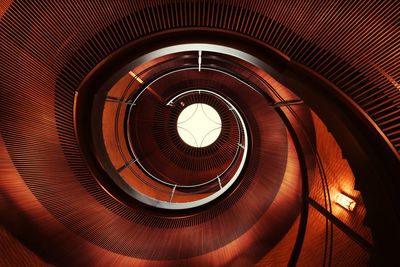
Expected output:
(137, 231)
(152, 132)
(200, 164)
(161, 170)
(259, 184)
(50, 48)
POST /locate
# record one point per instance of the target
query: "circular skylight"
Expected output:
(199, 125)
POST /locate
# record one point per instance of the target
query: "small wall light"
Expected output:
(345, 201)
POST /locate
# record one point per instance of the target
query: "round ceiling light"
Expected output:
(199, 125)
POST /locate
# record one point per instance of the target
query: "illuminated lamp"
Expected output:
(345, 202)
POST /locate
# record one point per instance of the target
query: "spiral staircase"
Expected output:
(299, 165)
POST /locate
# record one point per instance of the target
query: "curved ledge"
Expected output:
(361, 140)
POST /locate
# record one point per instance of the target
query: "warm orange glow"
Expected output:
(137, 78)
(345, 201)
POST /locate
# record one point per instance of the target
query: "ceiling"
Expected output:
(317, 83)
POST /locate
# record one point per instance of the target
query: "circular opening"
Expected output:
(153, 162)
(199, 125)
